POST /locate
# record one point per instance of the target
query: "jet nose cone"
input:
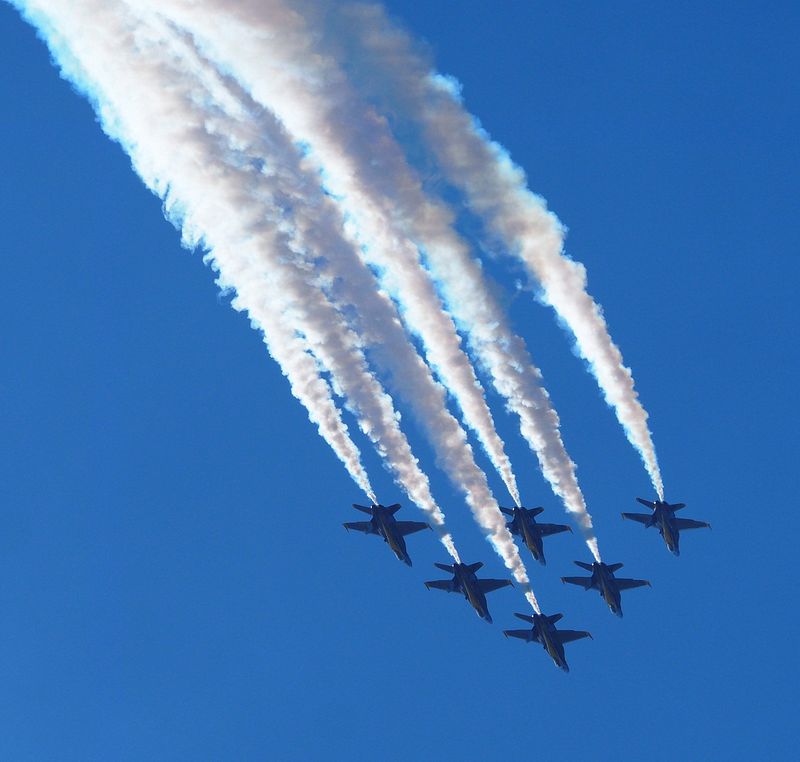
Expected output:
(407, 561)
(488, 617)
(565, 667)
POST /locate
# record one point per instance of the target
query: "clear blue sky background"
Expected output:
(175, 582)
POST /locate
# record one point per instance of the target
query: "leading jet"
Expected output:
(465, 582)
(663, 517)
(544, 631)
(604, 581)
(525, 526)
(384, 524)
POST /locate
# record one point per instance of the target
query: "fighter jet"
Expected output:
(465, 582)
(384, 524)
(604, 581)
(544, 631)
(663, 517)
(524, 525)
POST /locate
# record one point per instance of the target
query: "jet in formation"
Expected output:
(604, 581)
(663, 517)
(525, 526)
(465, 582)
(544, 631)
(384, 524)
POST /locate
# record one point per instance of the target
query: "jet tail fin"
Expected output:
(524, 617)
(445, 567)
(583, 565)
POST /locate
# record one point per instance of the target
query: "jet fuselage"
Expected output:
(386, 525)
(467, 582)
(603, 580)
(531, 537)
(544, 633)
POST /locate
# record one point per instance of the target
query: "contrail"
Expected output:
(461, 465)
(273, 55)
(157, 116)
(423, 313)
(496, 190)
(316, 227)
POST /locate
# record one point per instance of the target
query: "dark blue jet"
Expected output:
(604, 581)
(544, 631)
(524, 525)
(663, 517)
(383, 523)
(465, 582)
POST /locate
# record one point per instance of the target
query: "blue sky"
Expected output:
(174, 579)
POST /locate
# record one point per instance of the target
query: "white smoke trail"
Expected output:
(159, 119)
(466, 473)
(272, 52)
(496, 190)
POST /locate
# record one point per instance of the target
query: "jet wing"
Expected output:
(642, 518)
(409, 527)
(441, 584)
(521, 634)
(691, 524)
(360, 526)
(567, 636)
(547, 529)
(628, 584)
(584, 582)
(488, 585)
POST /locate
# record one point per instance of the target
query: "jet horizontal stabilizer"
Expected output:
(537, 511)
(507, 511)
(474, 567)
(445, 567)
(615, 567)
(362, 508)
(555, 618)
(524, 617)
(393, 508)
(583, 565)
